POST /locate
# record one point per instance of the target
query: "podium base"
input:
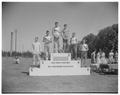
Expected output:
(50, 68)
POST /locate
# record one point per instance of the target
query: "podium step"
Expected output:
(59, 71)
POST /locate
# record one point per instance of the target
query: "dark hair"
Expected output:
(73, 33)
(65, 24)
(47, 31)
(36, 37)
(56, 22)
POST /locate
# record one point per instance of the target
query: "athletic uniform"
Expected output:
(65, 36)
(36, 52)
(56, 37)
(47, 41)
(73, 47)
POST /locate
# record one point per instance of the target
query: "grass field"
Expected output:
(15, 78)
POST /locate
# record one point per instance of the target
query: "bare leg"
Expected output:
(72, 51)
(66, 47)
(54, 47)
(34, 57)
(82, 58)
(75, 51)
(63, 46)
(85, 58)
(48, 52)
(45, 52)
(58, 46)
(39, 60)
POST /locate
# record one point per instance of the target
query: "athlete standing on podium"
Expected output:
(73, 46)
(47, 40)
(36, 51)
(56, 38)
(65, 37)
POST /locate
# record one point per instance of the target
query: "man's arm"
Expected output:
(62, 33)
(92, 54)
(40, 48)
(68, 34)
(76, 40)
(52, 31)
(43, 39)
(32, 46)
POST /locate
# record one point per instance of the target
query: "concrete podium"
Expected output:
(59, 65)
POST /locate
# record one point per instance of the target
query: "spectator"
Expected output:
(116, 57)
(73, 46)
(84, 50)
(93, 57)
(103, 66)
(17, 60)
(111, 58)
(98, 60)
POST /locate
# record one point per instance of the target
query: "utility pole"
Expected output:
(11, 44)
(15, 40)
(22, 50)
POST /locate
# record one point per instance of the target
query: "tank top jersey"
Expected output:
(74, 40)
(47, 39)
(65, 34)
(36, 48)
(56, 32)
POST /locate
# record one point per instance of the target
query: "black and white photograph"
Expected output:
(59, 47)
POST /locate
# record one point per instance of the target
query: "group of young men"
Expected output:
(62, 43)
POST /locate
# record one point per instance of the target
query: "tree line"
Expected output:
(21, 54)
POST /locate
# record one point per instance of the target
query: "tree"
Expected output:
(106, 40)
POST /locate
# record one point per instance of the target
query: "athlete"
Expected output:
(36, 51)
(65, 37)
(47, 40)
(56, 37)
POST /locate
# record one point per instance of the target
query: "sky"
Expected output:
(33, 19)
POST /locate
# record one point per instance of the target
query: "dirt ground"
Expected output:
(15, 79)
